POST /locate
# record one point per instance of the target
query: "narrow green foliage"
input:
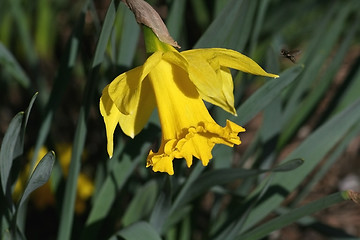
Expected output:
(266, 94)
(294, 215)
(81, 130)
(138, 231)
(12, 67)
(7, 151)
(333, 130)
(39, 176)
(142, 203)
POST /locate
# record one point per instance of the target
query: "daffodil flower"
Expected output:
(177, 83)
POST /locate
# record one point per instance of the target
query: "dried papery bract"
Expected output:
(145, 14)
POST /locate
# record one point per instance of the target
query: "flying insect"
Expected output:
(290, 54)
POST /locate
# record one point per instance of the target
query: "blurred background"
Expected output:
(67, 51)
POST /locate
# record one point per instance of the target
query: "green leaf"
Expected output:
(185, 231)
(162, 208)
(39, 176)
(288, 165)
(321, 45)
(121, 170)
(142, 203)
(201, 13)
(68, 206)
(265, 95)
(105, 34)
(44, 30)
(351, 92)
(305, 108)
(259, 23)
(139, 230)
(312, 150)
(129, 37)
(175, 21)
(11, 148)
(223, 176)
(222, 156)
(177, 216)
(7, 151)
(12, 145)
(20, 143)
(230, 231)
(235, 15)
(23, 30)
(198, 169)
(61, 81)
(293, 215)
(10, 65)
(17, 234)
(326, 165)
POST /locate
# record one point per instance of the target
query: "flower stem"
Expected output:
(152, 42)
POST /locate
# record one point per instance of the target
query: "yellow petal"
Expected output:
(214, 86)
(125, 89)
(232, 59)
(176, 98)
(111, 117)
(130, 124)
(176, 58)
(160, 163)
(227, 88)
(133, 123)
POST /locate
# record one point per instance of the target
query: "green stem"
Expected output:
(152, 42)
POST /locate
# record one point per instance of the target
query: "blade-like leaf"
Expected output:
(7, 150)
(175, 19)
(217, 34)
(223, 176)
(39, 176)
(17, 10)
(293, 215)
(231, 230)
(326, 165)
(129, 37)
(10, 65)
(305, 108)
(198, 169)
(105, 34)
(141, 204)
(351, 93)
(259, 23)
(312, 150)
(61, 81)
(68, 206)
(315, 58)
(116, 179)
(288, 166)
(175, 218)
(265, 95)
(20, 143)
(162, 208)
(139, 230)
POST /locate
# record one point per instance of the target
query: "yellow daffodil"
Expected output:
(177, 83)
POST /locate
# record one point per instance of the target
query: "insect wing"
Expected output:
(294, 52)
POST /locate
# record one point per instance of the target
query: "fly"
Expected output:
(290, 54)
